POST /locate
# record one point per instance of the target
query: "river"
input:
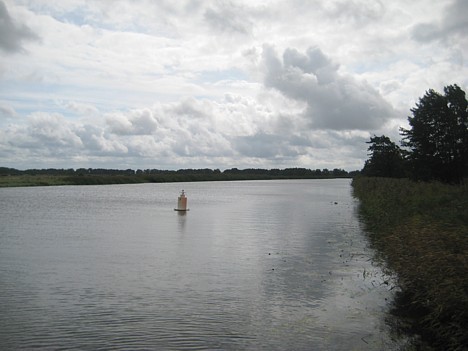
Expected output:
(254, 265)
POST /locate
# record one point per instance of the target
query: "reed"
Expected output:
(420, 230)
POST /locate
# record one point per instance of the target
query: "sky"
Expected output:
(219, 84)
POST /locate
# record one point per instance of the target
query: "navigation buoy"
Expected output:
(181, 202)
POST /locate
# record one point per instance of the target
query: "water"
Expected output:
(272, 265)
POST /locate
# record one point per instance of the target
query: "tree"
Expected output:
(438, 138)
(386, 159)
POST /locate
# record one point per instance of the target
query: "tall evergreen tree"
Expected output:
(438, 138)
(385, 160)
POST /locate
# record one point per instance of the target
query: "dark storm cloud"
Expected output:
(333, 101)
(11, 33)
(454, 22)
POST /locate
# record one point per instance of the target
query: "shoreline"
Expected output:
(419, 233)
(27, 180)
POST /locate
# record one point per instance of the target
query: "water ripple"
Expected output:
(268, 265)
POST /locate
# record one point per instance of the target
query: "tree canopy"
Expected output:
(386, 159)
(438, 137)
(435, 147)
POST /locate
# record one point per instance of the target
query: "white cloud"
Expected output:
(53, 131)
(452, 26)
(12, 33)
(333, 101)
(138, 122)
(228, 17)
(81, 108)
(153, 84)
(6, 110)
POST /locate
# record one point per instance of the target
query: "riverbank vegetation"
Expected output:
(41, 177)
(420, 230)
(435, 147)
(414, 203)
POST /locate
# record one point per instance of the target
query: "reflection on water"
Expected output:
(254, 265)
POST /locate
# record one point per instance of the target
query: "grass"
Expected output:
(420, 230)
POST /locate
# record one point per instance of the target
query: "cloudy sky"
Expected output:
(217, 84)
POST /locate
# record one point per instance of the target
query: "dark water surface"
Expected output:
(272, 265)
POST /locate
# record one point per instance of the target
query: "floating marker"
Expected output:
(181, 202)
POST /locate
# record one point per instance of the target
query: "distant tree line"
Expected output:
(435, 147)
(98, 175)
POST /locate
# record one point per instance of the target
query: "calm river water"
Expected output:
(271, 265)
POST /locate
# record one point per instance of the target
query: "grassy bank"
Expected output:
(420, 230)
(96, 179)
(32, 180)
(50, 180)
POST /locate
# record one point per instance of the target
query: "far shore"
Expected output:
(47, 180)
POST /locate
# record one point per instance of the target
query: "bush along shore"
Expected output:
(420, 232)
